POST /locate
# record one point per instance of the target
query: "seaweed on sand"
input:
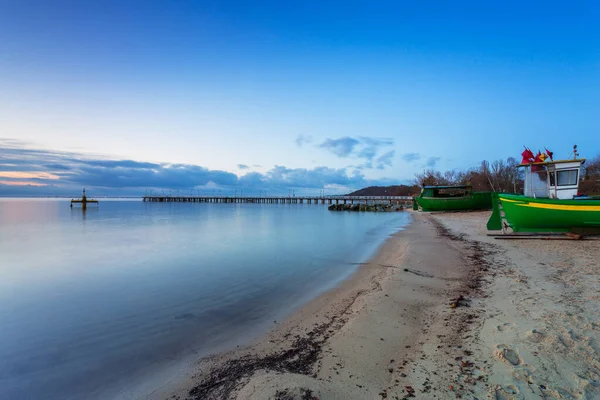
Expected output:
(299, 358)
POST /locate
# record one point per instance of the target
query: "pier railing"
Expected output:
(405, 200)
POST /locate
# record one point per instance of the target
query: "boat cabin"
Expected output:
(553, 179)
(446, 191)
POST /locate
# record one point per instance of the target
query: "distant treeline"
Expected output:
(498, 176)
(591, 177)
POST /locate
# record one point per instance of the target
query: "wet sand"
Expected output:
(356, 341)
(442, 311)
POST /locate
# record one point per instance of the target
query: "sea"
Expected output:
(113, 302)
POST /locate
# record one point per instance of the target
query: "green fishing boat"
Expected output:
(452, 198)
(550, 203)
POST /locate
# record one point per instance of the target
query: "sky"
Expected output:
(129, 96)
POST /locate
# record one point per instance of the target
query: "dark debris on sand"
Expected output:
(306, 394)
(478, 256)
(299, 358)
(482, 261)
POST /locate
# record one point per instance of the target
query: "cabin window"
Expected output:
(566, 178)
(552, 179)
(451, 192)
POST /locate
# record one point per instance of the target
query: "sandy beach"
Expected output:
(441, 311)
(539, 328)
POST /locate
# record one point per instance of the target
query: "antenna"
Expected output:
(575, 154)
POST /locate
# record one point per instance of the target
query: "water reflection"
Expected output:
(81, 213)
(94, 301)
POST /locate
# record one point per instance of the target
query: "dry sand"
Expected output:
(527, 325)
(539, 332)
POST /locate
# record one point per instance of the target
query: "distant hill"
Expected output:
(401, 190)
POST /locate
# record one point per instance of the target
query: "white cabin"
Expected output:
(553, 179)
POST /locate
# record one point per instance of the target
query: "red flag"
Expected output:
(537, 159)
(527, 156)
(550, 154)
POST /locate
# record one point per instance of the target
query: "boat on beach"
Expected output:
(452, 198)
(550, 202)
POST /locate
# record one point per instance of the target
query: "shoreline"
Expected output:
(185, 371)
(323, 346)
(440, 311)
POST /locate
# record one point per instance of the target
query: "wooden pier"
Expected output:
(404, 200)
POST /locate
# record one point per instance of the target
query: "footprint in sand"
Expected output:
(505, 353)
(561, 342)
(565, 394)
(509, 392)
(524, 373)
(536, 335)
(575, 336)
(505, 327)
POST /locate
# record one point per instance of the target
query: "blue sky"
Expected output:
(277, 95)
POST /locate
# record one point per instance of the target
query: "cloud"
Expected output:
(361, 147)
(367, 153)
(27, 175)
(432, 162)
(79, 169)
(376, 142)
(242, 166)
(410, 157)
(385, 160)
(39, 172)
(20, 183)
(303, 139)
(175, 176)
(280, 177)
(311, 178)
(60, 167)
(13, 143)
(341, 147)
(120, 164)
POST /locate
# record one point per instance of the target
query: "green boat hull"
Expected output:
(528, 214)
(475, 201)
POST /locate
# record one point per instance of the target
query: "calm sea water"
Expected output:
(101, 303)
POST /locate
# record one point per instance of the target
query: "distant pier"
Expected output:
(398, 200)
